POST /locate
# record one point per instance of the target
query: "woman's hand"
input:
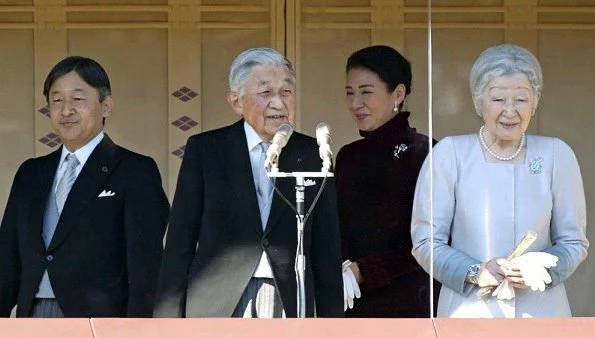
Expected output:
(355, 269)
(514, 275)
(350, 285)
(530, 270)
(492, 272)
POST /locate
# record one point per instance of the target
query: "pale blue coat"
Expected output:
(484, 209)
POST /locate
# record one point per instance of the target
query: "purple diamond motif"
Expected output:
(44, 110)
(179, 152)
(185, 94)
(51, 140)
(185, 123)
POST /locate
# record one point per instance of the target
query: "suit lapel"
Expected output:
(96, 170)
(288, 161)
(233, 150)
(43, 184)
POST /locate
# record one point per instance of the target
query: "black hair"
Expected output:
(390, 66)
(88, 69)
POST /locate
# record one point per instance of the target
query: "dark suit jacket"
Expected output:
(215, 208)
(105, 255)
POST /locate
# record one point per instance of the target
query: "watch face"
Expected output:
(473, 273)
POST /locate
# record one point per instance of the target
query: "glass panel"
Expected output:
(381, 146)
(484, 203)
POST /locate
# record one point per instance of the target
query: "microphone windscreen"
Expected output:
(283, 134)
(323, 133)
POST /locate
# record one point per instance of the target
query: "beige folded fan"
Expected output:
(529, 238)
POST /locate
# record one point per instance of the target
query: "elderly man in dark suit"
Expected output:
(82, 231)
(231, 242)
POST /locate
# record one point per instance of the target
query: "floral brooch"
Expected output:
(535, 165)
(399, 149)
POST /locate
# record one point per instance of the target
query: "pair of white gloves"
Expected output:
(350, 286)
(532, 266)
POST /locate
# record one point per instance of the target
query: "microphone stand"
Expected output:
(300, 259)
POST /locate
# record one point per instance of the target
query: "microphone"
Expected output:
(323, 138)
(279, 141)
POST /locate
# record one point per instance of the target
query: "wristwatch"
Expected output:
(472, 273)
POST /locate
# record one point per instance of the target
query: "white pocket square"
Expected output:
(107, 193)
(309, 183)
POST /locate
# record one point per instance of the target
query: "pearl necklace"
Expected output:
(498, 157)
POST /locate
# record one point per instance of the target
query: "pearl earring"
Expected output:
(396, 108)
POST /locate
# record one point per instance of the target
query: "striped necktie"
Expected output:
(66, 181)
(265, 186)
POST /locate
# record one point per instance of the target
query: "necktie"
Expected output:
(265, 187)
(66, 181)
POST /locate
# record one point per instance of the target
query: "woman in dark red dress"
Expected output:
(376, 179)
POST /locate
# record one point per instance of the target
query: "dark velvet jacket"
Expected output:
(376, 179)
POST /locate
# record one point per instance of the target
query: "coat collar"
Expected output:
(289, 161)
(396, 130)
(43, 184)
(233, 150)
(104, 158)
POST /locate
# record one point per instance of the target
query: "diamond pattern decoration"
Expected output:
(179, 152)
(51, 140)
(185, 123)
(185, 94)
(44, 110)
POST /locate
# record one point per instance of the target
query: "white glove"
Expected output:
(533, 268)
(350, 286)
(504, 291)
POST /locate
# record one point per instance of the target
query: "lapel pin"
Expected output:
(399, 149)
(535, 165)
(104, 169)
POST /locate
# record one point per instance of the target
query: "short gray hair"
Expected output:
(241, 67)
(503, 60)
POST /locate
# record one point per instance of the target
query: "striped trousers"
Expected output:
(260, 300)
(46, 308)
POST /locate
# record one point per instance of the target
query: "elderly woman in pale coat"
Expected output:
(491, 188)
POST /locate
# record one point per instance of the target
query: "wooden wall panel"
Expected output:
(169, 59)
(566, 111)
(17, 134)
(139, 85)
(455, 50)
(416, 51)
(321, 72)
(219, 49)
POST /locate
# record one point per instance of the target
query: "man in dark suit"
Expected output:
(82, 231)
(231, 245)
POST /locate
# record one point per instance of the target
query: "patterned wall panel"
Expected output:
(169, 62)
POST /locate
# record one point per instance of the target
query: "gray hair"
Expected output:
(503, 60)
(241, 67)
